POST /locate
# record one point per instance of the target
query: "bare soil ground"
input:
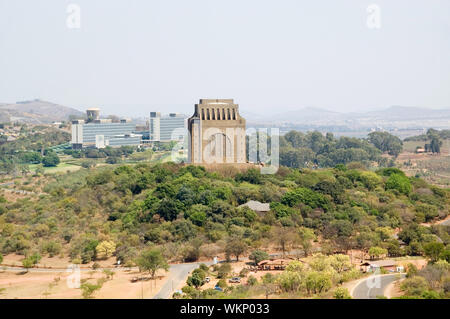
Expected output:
(35, 285)
(434, 168)
(393, 290)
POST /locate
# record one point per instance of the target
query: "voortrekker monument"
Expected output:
(217, 133)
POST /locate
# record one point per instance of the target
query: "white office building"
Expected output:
(100, 133)
(162, 127)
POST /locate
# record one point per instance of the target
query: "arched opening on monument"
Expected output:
(220, 147)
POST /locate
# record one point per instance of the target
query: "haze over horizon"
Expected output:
(131, 57)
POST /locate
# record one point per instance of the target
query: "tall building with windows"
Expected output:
(217, 133)
(162, 127)
(100, 133)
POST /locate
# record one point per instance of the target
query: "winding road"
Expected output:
(373, 286)
(177, 275)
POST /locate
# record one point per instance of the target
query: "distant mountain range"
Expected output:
(309, 118)
(37, 112)
(399, 117)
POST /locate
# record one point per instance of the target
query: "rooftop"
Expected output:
(257, 206)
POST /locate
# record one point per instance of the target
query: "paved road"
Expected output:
(374, 286)
(178, 273)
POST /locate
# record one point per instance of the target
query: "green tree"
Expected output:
(258, 256)
(50, 160)
(377, 252)
(197, 278)
(30, 261)
(285, 237)
(235, 247)
(386, 142)
(27, 263)
(340, 262)
(400, 183)
(433, 250)
(151, 261)
(317, 282)
(105, 249)
(290, 281)
(306, 237)
(435, 144)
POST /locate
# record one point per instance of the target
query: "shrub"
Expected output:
(89, 289)
(251, 281)
(105, 249)
(414, 286)
(223, 271)
(222, 283)
(400, 183)
(342, 293)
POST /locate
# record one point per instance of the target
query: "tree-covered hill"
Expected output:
(313, 149)
(190, 212)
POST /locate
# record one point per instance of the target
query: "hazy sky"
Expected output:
(130, 57)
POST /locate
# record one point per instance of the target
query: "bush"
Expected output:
(342, 293)
(51, 248)
(414, 286)
(223, 271)
(222, 283)
(251, 281)
(89, 289)
(244, 272)
(400, 183)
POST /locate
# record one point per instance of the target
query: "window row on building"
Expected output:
(218, 114)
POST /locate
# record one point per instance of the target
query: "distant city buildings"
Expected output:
(99, 133)
(161, 128)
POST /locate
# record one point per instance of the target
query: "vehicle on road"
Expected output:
(218, 288)
(207, 279)
(235, 280)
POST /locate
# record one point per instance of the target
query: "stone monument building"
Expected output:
(217, 133)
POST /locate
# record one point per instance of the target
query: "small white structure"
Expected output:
(257, 206)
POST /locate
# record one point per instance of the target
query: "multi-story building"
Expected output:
(217, 133)
(162, 127)
(100, 133)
